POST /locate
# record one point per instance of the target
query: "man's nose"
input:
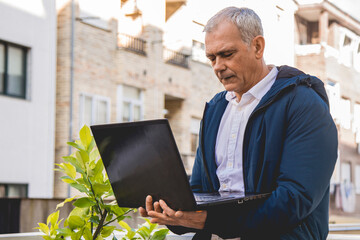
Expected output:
(219, 65)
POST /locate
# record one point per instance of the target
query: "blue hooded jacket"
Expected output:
(290, 150)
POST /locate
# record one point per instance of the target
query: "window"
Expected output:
(333, 92)
(198, 52)
(357, 179)
(346, 51)
(13, 190)
(344, 113)
(356, 118)
(130, 104)
(12, 70)
(357, 56)
(345, 172)
(94, 109)
(195, 127)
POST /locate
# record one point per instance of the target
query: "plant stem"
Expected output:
(92, 214)
(101, 224)
(93, 192)
(118, 217)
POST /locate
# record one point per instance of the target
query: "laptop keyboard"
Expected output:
(210, 197)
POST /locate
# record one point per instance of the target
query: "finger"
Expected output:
(179, 214)
(168, 211)
(158, 215)
(143, 212)
(161, 222)
(149, 203)
(161, 218)
(157, 207)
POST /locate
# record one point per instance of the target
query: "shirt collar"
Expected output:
(261, 88)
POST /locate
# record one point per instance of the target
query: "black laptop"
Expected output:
(141, 158)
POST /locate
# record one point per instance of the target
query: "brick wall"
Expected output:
(100, 65)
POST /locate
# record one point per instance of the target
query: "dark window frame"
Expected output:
(24, 69)
(8, 185)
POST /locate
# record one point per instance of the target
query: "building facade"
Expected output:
(328, 46)
(146, 61)
(128, 60)
(27, 98)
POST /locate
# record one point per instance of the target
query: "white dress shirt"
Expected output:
(230, 136)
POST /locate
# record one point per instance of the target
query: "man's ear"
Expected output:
(259, 46)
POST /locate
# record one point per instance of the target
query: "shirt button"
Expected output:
(233, 135)
(229, 165)
(224, 186)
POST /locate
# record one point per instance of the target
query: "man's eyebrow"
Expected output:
(222, 52)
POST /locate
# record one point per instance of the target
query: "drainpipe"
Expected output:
(72, 40)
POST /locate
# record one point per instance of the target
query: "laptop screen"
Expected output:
(141, 158)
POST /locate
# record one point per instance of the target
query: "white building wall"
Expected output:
(27, 125)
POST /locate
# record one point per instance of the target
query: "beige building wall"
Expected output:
(101, 65)
(178, 92)
(325, 56)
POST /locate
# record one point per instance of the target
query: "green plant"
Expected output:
(93, 213)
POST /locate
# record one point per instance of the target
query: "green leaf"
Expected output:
(85, 136)
(53, 218)
(130, 234)
(84, 156)
(125, 225)
(87, 234)
(114, 238)
(76, 235)
(67, 179)
(64, 231)
(77, 146)
(100, 189)
(109, 216)
(91, 145)
(43, 228)
(84, 202)
(66, 200)
(119, 211)
(143, 232)
(79, 187)
(74, 161)
(95, 219)
(94, 154)
(69, 169)
(83, 181)
(80, 212)
(97, 172)
(160, 234)
(107, 231)
(75, 222)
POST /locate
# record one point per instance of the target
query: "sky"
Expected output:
(350, 6)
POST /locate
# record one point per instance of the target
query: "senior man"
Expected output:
(269, 131)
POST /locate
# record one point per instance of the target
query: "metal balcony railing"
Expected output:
(131, 43)
(176, 58)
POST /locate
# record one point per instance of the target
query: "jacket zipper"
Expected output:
(251, 115)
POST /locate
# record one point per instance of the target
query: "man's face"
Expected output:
(233, 61)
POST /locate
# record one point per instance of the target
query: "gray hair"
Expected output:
(246, 20)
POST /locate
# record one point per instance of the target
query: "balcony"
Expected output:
(176, 58)
(133, 44)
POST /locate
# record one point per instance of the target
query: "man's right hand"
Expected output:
(150, 206)
(162, 214)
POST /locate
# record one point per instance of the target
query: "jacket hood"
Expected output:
(297, 77)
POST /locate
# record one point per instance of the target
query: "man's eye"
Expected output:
(227, 54)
